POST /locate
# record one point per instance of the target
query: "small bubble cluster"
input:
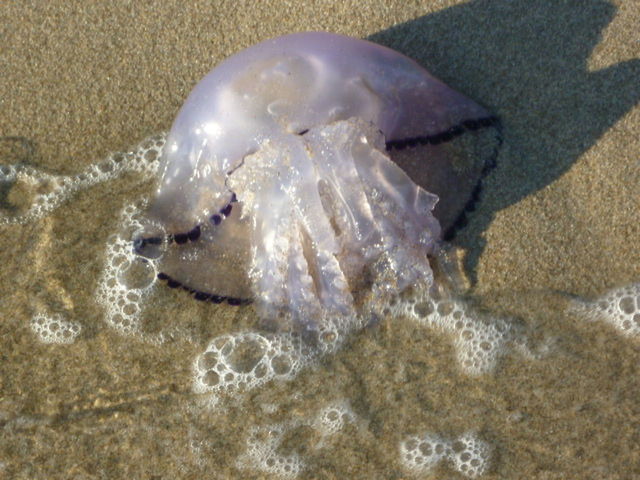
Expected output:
(262, 455)
(479, 340)
(332, 418)
(619, 307)
(245, 360)
(127, 278)
(241, 361)
(54, 329)
(50, 191)
(264, 441)
(468, 454)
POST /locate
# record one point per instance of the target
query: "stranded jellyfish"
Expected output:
(314, 174)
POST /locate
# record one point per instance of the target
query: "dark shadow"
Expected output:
(526, 61)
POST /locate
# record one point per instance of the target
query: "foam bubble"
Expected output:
(245, 360)
(468, 454)
(237, 362)
(261, 453)
(49, 191)
(54, 329)
(479, 339)
(332, 418)
(421, 453)
(46, 192)
(127, 279)
(263, 442)
(619, 307)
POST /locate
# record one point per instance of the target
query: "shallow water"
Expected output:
(113, 399)
(113, 406)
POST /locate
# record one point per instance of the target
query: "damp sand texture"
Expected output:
(558, 216)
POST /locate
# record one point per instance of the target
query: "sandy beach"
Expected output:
(559, 216)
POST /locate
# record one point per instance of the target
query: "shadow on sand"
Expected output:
(526, 60)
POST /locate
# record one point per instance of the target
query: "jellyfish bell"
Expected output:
(309, 168)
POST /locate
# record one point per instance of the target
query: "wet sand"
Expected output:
(559, 214)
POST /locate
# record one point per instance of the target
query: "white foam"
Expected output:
(421, 453)
(245, 360)
(50, 191)
(619, 307)
(263, 442)
(468, 454)
(237, 362)
(332, 418)
(479, 339)
(261, 452)
(127, 279)
(54, 329)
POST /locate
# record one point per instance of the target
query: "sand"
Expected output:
(559, 214)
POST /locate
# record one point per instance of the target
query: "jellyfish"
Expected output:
(313, 174)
